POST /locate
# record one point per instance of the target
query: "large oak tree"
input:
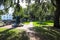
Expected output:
(56, 3)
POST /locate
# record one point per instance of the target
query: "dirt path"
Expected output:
(31, 34)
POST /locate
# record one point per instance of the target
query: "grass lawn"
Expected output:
(12, 34)
(26, 22)
(47, 23)
(36, 23)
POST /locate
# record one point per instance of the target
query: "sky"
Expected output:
(23, 4)
(11, 10)
(1, 7)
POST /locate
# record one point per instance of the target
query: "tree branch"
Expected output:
(53, 3)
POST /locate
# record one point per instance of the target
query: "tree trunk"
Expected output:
(56, 18)
(57, 12)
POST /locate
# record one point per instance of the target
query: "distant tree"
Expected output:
(41, 9)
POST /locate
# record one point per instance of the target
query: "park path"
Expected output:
(31, 34)
(27, 27)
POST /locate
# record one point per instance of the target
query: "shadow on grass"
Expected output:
(47, 33)
(13, 34)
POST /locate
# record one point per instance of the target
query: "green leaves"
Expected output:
(42, 9)
(1, 12)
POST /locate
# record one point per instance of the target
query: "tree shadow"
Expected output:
(47, 33)
(12, 35)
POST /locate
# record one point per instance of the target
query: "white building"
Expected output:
(7, 17)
